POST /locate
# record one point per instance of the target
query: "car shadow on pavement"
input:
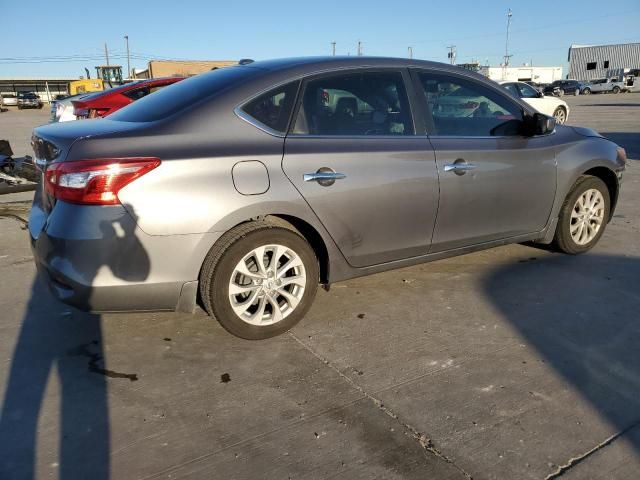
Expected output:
(630, 141)
(54, 336)
(582, 314)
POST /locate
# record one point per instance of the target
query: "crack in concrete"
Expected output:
(580, 458)
(424, 441)
(20, 220)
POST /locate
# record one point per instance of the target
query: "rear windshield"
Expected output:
(182, 94)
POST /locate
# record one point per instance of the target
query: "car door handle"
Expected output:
(323, 176)
(459, 167)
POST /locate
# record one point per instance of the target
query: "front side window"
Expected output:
(355, 103)
(512, 89)
(527, 91)
(461, 107)
(273, 109)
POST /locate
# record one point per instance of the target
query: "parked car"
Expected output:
(29, 100)
(62, 109)
(604, 85)
(552, 106)
(246, 187)
(9, 100)
(101, 104)
(563, 87)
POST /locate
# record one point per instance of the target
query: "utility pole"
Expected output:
(410, 50)
(505, 64)
(333, 49)
(106, 52)
(506, 48)
(126, 38)
(452, 54)
(359, 48)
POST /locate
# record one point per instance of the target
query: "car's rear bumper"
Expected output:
(96, 259)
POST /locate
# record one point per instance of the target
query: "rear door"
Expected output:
(495, 183)
(354, 156)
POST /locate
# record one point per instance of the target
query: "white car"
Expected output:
(9, 100)
(552, 106)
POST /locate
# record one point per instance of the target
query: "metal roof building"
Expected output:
(46, 88)
(603, 61)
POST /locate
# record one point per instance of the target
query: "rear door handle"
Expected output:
(459, 168)
(324, 176)
(314, 177)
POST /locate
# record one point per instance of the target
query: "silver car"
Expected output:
(245, 188)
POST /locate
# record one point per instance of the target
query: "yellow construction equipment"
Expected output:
(108, 76)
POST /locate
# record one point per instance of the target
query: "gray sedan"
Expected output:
(247, 187)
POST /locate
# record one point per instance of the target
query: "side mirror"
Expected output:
(539, 124)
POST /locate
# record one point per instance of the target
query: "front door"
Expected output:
(495, 183)
(354, 156)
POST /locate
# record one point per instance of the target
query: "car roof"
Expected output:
(307, 65)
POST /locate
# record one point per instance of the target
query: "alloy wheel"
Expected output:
(560, 116)
(587, 216)
(267, 285)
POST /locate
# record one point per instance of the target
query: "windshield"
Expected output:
(182, 94)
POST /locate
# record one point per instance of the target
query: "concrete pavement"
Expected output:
(515, 362)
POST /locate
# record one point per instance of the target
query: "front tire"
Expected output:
(260, 279)
(560, 114)
(616, 90)
(583, 216)
(586, 91)
(561, 93)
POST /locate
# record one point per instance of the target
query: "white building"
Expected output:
(523, 74)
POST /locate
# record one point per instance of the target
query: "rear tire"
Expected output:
(586, 91)
(583, 216)
(257, 302)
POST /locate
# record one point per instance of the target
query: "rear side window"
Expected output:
(137, 93)
(183, 94)
(363, 103)
(273, 109)
(461, 107)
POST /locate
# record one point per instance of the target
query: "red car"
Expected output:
(105, 103)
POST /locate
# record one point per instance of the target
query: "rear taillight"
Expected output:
(95, 182)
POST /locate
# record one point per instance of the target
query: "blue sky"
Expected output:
(71, 35)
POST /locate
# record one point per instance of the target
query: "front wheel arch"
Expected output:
(611, 181)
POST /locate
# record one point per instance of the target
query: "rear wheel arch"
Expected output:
(304, 228)
(313, 237)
